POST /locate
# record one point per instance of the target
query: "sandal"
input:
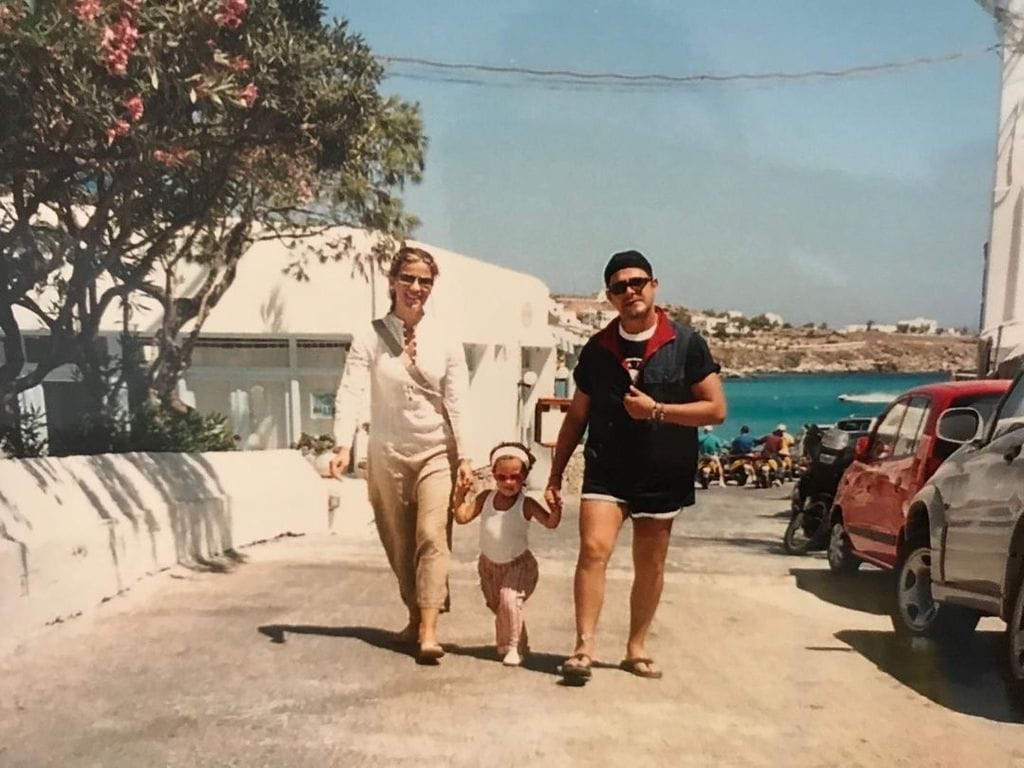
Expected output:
(641, 667)
(429, 654)
(576, 668)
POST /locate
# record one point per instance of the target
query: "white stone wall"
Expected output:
(77, 530)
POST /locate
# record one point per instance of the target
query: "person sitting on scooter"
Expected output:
(743, 444)
(771, 449)
(710, 447)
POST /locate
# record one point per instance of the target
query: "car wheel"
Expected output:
(916, 613)
(840, 552)
(1015, 644)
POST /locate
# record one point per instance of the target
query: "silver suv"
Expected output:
(971, 562)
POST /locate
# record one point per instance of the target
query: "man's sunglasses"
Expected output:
(619, 287)
(426, 282)
(501, 477)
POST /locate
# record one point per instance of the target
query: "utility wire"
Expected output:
(483, 74)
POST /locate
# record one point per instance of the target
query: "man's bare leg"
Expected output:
(428, 627)
(600, 522)
(650, 548)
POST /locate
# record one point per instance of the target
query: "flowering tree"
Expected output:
(137, 136)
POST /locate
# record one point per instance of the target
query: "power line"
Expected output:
(484, 74)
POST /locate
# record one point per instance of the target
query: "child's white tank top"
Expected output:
(503, 532)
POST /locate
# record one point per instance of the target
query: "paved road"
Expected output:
(284, 661)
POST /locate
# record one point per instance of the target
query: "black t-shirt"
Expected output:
(651, 465)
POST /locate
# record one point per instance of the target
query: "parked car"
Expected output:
(869, 515)
(964, 539)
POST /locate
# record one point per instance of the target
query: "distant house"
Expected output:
(917, 325)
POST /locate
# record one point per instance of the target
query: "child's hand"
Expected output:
(463, 485)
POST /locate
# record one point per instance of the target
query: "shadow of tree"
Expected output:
(869, 592)
(771, 546)
(965, 677)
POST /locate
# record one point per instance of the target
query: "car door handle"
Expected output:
(1011, 454)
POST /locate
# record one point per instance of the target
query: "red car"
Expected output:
(891, 464)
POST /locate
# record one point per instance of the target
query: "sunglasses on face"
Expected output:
(619, 287)
(501, 477)
(426, 282)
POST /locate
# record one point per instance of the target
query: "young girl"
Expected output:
(508, 570)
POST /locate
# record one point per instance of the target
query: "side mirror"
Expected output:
(959, 425)
(860, 448)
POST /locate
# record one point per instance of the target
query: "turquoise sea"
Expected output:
(761, 402)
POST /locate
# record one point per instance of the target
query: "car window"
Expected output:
(1012, 412)
(910, 429)
(884, 441)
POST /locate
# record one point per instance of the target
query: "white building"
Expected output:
(271, 353)
(1002, 313)
(917, 325)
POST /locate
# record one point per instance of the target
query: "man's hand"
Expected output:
(553, 494)
(639, 405)
(339, 462)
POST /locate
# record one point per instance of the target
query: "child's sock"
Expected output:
(512, 658)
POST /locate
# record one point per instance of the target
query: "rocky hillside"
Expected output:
(801, 350)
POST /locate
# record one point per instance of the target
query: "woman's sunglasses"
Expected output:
(619, 287)
(501, 477)
(426, 282)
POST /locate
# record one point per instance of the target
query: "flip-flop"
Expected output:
(633, 667)
(577, 668)
(429, 654)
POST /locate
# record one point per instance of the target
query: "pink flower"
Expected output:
(86, 10)
(231, 13)
(117, 130)
(117, 44)
(135, 108)
(248, 95)
(239, 64)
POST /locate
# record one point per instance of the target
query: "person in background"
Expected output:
(711, 447)
(643, 386)
(743, 443)
(413, 372)
(507, 567)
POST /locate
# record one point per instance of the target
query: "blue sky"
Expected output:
(844, 201)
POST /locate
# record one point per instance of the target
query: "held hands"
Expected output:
(464, 474)
(339, 462)
(553, 494)
(639, 405)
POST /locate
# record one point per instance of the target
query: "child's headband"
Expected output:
(511, 452)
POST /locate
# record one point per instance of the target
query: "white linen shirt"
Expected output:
(375, 382)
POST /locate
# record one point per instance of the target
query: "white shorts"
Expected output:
(623, 503)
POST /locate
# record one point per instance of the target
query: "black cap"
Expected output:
(625, 260)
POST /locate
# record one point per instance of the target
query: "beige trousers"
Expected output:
(411, 499)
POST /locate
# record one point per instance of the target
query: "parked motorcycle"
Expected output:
(808, 527)
(811, 502)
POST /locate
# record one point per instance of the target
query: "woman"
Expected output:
(416, 380)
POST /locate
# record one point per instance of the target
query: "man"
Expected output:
(771, 448)
(743, 443)
(643, 386)
(710, 447)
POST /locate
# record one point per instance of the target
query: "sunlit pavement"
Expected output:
(286, 661)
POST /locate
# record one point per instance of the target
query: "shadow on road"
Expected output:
(771, 546)
(869, 592)
(965, 677)
(378, 638)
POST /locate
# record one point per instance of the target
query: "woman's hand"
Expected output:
(339, 462)
(464, 475)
